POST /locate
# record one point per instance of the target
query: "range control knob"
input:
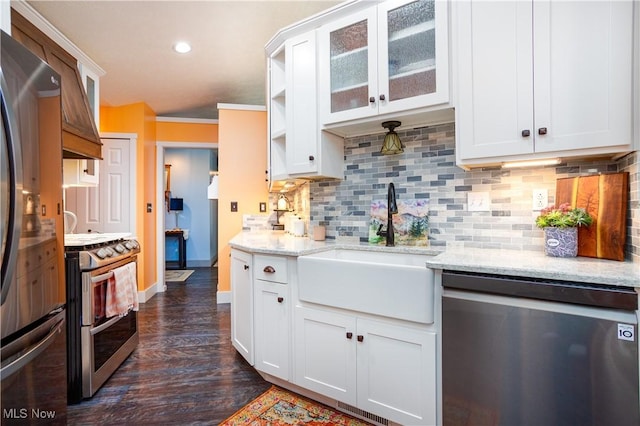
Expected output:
(119, 248)
(102, 253)
(134, 244)
(110, 251)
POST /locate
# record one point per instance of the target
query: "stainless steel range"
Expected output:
(98, 341)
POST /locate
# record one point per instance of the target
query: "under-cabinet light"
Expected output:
(531, 163)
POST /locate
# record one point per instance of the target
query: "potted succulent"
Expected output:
(560, 225)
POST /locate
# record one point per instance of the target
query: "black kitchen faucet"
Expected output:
(392, 208)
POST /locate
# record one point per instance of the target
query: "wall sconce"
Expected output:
(212, 189)
(392, 144)
(283, 203)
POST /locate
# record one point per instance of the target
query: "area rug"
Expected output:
(278, 407)
(178, 275)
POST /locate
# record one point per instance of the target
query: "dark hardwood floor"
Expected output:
(184, 371)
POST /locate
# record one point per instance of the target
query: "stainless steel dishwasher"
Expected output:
(521, 351)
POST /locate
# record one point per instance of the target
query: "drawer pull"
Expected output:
(269, 269)
(280, 299)
(349, 335)
(360, 337)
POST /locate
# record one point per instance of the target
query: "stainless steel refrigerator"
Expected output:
(33, 346)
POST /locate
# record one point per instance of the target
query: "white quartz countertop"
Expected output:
(537, 265)
(279, 243)
(532, 264)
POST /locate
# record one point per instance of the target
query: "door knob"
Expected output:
(311, 158)
(542, 131)
(372, 100)
(360, 337)
(382, 97)
(246, 267)
(280, 299)
(349, 335)
(526, 133)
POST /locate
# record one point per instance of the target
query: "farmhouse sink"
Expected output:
(390, 284)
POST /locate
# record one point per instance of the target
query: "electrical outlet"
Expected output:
(478, 201)
(540, 199)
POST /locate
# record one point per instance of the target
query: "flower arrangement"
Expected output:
(563, 217)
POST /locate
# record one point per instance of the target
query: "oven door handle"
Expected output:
(100, 278)
(104, 326)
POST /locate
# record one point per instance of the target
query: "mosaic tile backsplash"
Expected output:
(427, 170)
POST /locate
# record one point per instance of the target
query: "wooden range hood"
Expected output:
(80, 138)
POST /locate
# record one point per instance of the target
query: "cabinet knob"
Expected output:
(246, 267)
(311, 158)
(542, 131)
(526, 133)
(372, 100)
(269, 269)
(382, 97)
(360, 337)
(349, 335)
(280, 299)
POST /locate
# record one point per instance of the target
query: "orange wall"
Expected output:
(140, 119)
(242, 159)
(186, 132)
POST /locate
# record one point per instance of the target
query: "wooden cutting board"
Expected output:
(605, 198)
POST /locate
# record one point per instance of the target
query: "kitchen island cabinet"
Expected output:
(541, 80)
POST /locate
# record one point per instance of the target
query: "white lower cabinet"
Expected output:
(271, 301)
(242, 304)
(380, 367)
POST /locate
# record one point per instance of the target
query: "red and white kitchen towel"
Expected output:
(122, 291)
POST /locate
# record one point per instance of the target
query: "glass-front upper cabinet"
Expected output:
(388, 58)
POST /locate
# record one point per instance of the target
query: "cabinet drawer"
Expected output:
(270, 268)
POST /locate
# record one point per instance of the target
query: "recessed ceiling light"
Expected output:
(182, 47)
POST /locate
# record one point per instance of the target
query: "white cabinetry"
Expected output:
(379, 366)
(81, 172)
(272, 316)
(298, 148)
(388, 58)
(542, 79)
(242, 304)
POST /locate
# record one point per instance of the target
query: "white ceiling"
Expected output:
(132, 41)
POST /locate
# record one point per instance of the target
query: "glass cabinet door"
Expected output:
(349, 67)
(390, 57)
(413, 65)
(411, 49)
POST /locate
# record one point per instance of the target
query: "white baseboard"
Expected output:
(148, 293)
(223, 297)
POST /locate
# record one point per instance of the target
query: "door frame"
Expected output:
(160, 148)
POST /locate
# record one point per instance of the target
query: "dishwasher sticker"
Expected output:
(626, 332)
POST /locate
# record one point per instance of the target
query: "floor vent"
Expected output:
(363, 414)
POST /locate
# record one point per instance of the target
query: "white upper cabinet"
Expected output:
(388, 58)
(310, 152)
(542, 79)
(298, 147)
